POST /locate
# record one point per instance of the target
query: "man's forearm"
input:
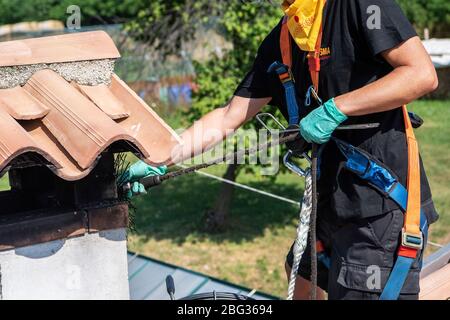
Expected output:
(400, 87)
(213, 127)
(202, 135)
(413, 76)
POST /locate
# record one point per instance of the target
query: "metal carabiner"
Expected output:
(293, 167)
(287, 157)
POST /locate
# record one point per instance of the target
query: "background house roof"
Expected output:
(147, 281)
(439, 50)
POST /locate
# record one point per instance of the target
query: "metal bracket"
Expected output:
(288, 156)
(293, 167)
(260, 117)
(413, 241)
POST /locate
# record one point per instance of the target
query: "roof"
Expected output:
(435, 276)
(31, 26)
(67, 124)
(439, 50)
(147, 281)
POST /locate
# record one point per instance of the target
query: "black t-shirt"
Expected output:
(350, 59)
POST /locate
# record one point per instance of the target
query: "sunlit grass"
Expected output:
(4, 183)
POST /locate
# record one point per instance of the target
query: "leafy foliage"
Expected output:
(244, 25)
(166, 24)
(432, 14)
(93, 11)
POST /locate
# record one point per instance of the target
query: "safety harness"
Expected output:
(365, 166)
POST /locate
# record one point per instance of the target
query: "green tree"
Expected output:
(431, 14)
(244, 24)
(93, 11)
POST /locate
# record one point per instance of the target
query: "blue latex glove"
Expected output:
(138, 171)
(318, 126)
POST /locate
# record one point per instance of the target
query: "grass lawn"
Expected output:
(4, 183)
(251, 252)
(168, 222)
(434, 140)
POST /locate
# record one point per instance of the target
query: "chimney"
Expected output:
(64, 115)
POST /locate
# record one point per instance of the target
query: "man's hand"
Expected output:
(138, 171)
(318, 126)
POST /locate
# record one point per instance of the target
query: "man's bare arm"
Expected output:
(215, 126)
(413, 76)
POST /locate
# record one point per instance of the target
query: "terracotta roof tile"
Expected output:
(81, 46)
(105, 100)
(79, 126)
(70, 125)
(15, 141)
(21, 105)
(144, 124)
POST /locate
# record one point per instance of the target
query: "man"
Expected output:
(370, 65)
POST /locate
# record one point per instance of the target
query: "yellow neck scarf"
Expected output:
(304, 21)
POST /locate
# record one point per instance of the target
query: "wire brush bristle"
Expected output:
(121, 164)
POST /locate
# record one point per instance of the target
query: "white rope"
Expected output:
(435, 244)
(302, 234)
(243, 186)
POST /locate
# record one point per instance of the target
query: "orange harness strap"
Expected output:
(412, 215)
(314, 61)
(285, 43)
